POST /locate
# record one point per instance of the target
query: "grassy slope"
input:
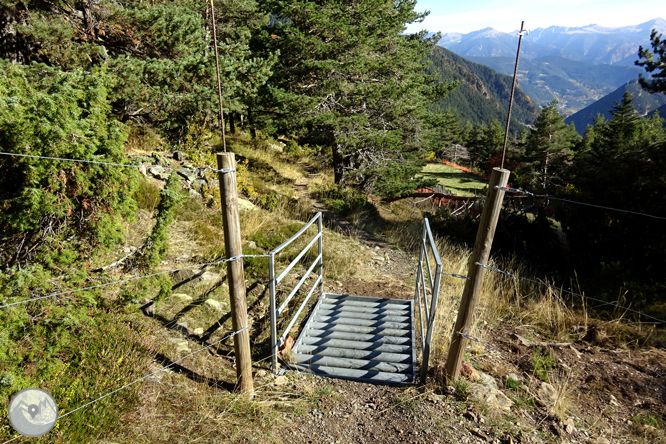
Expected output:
(196, 399)
(455, 181)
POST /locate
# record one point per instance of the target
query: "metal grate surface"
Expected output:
(359, 337)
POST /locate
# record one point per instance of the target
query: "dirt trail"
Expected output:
(350, 412)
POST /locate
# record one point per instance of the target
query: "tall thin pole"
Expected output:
(233, 248)
(219, 82)
(513, 88)
(480, 254)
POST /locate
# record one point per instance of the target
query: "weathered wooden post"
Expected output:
(233, 248)
(484, 241)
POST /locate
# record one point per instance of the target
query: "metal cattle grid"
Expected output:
(347, 336)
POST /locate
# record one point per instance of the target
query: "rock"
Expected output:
(159, 160)
(209, 276)
(492, 397)
(281, 380)
(513, 376)
(182, 296)
(252, 244)
(188, 164)
(261, 374)
(143, 170)
(180, 328)
(213, 303)
(244, 204)
(194, 193)
(178, 155)
(159, 173)
(488, 381)
(198, 184)
(182, 275)
(148, 308)
(469, 372)
(602, 440)
(183, 347)
(190, 176)
(521, 340)
(378, 258)
(569, 426)
(198, 331)
(435, 398)
(547, 394)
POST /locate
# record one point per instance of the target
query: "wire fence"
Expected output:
(205, 264)
(68, 292)
(125, 165)
(547, 196)
(558, 375)
(144, 377)
(506, 273)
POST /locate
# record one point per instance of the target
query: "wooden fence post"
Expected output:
(233, 247)
(484, 241)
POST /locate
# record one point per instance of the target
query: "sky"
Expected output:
(506, 15)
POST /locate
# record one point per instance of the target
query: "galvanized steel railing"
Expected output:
(275, 313)
(421, 294)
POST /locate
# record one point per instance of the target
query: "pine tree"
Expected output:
(46, 112)
(549, 148)
(160, 52)
(347, 79)
(654, 63)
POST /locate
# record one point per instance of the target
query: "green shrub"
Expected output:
(47, 112)
(157, 243)
(543, 362)
(343, 201)
(146, 195)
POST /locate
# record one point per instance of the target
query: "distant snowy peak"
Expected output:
(592, 43)
(659, 24)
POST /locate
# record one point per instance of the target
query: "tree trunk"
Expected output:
(250, 120)
(338, 164)
(232, 125)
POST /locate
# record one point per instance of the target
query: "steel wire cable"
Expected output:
(547, 196)
(133, 279)
(223, 170)
(497, 270)
(144, 377)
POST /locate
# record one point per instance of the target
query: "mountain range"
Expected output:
(576, 66)
(594, 44)
(645, 104)
(483, 93)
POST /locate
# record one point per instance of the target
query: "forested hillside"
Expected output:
(644, 103)
(483, 94)
(575, 84)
